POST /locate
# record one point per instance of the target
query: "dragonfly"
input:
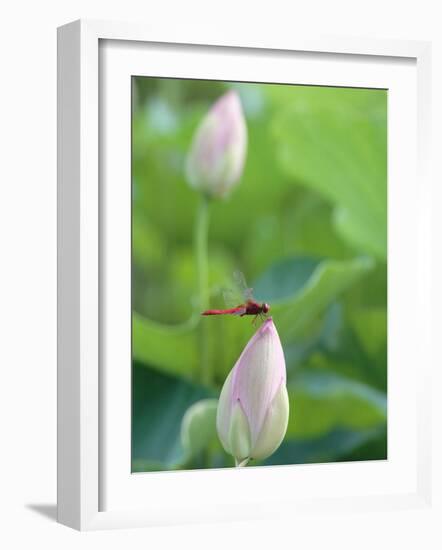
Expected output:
(248, 307)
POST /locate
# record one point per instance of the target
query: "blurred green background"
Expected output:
(307, 225)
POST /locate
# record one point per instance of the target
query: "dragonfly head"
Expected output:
(265, 308)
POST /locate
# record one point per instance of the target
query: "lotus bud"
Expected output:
(217, 154)
(253, 408)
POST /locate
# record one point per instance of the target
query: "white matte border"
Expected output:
(178, 493)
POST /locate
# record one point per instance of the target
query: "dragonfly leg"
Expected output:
(262, 317)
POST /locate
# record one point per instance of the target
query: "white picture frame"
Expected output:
(95, 492)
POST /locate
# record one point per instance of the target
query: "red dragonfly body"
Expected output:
(249, 307)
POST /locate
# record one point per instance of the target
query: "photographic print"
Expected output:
(259, 274)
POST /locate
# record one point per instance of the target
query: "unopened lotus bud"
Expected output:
(217, 154)
(253, 408)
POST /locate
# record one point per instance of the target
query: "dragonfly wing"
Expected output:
(240, 283)
(239, 279)
(248, 295)
(231, 298)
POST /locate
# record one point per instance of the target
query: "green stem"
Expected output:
(202, 266)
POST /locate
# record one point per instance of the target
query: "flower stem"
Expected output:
(242, 463)
(202, 267)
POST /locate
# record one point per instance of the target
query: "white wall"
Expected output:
(28, 260)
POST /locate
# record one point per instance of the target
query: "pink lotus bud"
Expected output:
(216, 158)
(253, 408)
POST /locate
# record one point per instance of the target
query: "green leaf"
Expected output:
(370, 325)
(299, 291)
(159, 402)
(336, 144)
(314, 285)
(309, 227)
(140, 465)
(170, 348)
(322, 401)
(337, 445)
(285, 278)
(198, 427)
